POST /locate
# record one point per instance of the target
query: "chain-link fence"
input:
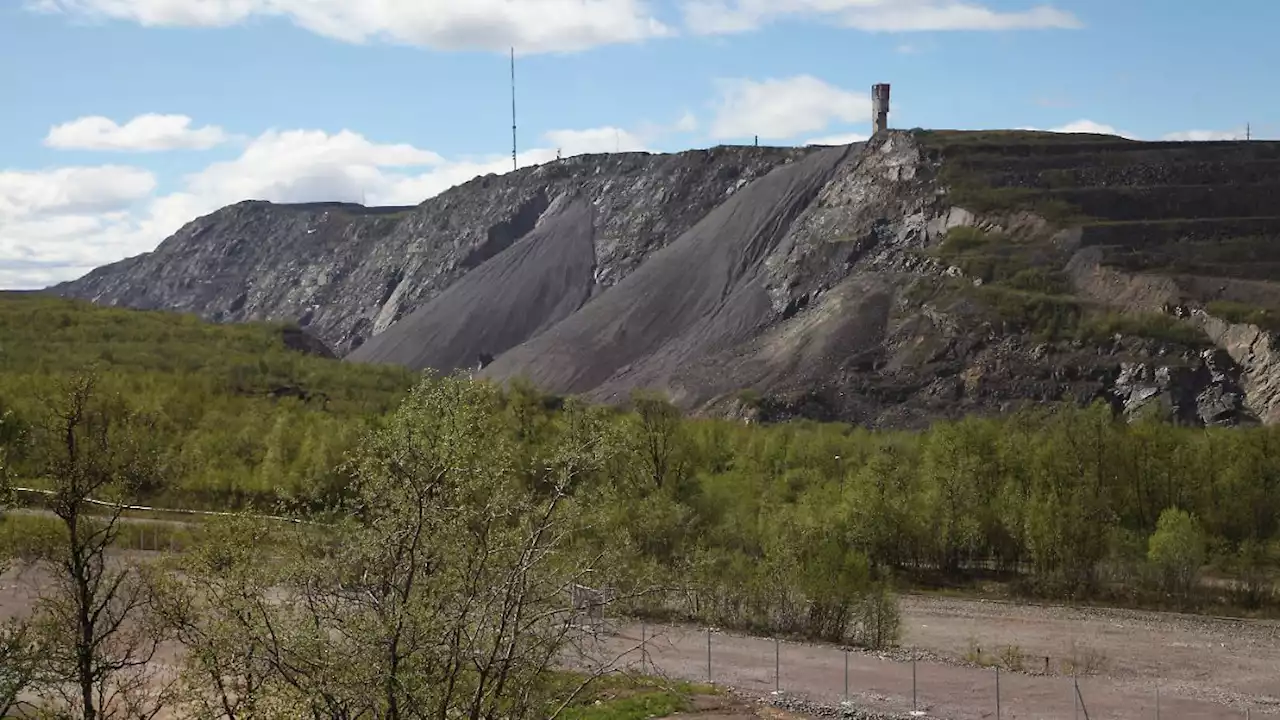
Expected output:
(893, 683)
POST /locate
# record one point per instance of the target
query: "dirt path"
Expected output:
(943, 689)
(1222, 660)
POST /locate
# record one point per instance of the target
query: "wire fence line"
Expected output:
(846, 682)
(891, 684)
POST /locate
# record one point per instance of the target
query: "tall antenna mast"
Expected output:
(514, 164)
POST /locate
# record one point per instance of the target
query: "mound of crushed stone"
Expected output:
(700, 294)
(540, 280)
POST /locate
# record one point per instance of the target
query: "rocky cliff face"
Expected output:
(346, 272)
(923, 275)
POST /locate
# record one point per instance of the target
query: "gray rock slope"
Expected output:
(775, 283)
(346, 272)
(541, 279)
(700, 294)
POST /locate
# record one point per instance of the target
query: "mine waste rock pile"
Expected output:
(918, 276)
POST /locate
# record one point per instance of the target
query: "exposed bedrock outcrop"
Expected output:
(918, 276)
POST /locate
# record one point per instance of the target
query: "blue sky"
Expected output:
(124, 119)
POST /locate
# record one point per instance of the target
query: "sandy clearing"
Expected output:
(1205, 667)
(1220, 659)
(884, 684)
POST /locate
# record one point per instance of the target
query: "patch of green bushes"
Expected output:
(1156, 326)
(995, 258)
(1046, 317)
(963, 138)
(1055, 317)
(965, 239)
(624, 697)
(969, 192)
(642, 705)
(1235, 312)
(1045, 281)
(244, 420)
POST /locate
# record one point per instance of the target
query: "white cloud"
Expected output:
(57, 225)
(1205, 135)
(732, 16)
(1084, 126)
(144, 133)
(1097, 128)
(35, 194)
(687, 123)
(306, 165)
(531, 26)
(784, 108)
(596, 140)
(1090, 127)
(845, 139)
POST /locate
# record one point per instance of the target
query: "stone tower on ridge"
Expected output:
(880, 107)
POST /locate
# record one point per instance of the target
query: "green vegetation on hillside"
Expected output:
(969, 162)
(242, 418)
(699, 498)
(469, 504)
(1235, 312)
(1006, 138)
(1026, 290)
(995, 258)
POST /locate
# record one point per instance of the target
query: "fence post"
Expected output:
(846, 675)
(913, 683)
(777, 665)
(997, 692)
(708, 654)
(642, 648)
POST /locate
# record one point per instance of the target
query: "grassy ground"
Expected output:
(623, 697)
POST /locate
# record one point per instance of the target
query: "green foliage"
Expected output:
(970, 190)
(91, 627)
(971, 187)
(242, 418)
(459, 559)
(1062, 317)
(640, 705)
(877, 618)
(988, 256)
(750, 397)
(1040, 280)
(1012, 658)
(1005, 138)
(1177, 550)
(999, 260)
(1235, 312)
(18, 650)
(1048, 317)
(1103, 327)
(469, 505)
(966, 239)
